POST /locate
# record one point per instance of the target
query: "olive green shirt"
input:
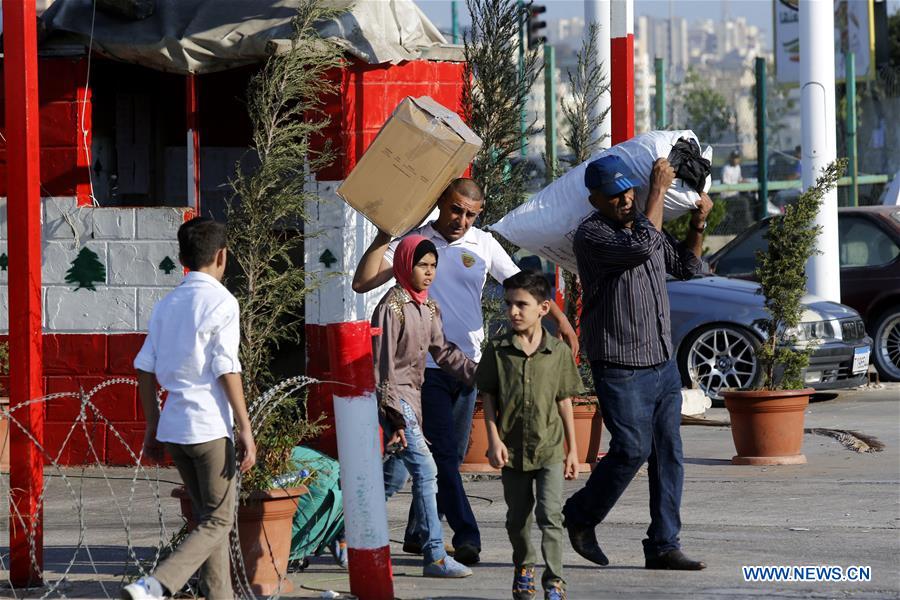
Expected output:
(526, 389)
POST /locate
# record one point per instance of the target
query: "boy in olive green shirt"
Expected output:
(526, 380)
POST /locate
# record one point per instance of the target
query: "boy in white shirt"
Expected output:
(191, 350)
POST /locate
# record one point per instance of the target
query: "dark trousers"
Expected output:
(445, 404)
(642, 411)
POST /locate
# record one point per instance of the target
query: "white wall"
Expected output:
(130, 243)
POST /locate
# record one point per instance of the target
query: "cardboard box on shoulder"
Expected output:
(421, 148)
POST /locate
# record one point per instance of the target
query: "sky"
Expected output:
(757, 12)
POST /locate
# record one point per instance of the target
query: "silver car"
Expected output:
(716, 330)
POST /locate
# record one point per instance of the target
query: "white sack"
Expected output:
(546, 224)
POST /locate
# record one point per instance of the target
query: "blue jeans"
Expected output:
(447, 408)
(416, 459)
(642, 411)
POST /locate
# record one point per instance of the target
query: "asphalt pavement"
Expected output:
(842, 509)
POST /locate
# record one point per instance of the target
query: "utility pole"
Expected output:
(454, 20)
(659, 65)
(762, 140)
(598, 13)
(26, 473)
(850, 80)
(818, 123)
(550, 111)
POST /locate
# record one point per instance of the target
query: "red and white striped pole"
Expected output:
(359, 451)
(192, 113)
(622, 72)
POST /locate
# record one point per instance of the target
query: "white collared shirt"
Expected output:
(192, 340)
(463, 266)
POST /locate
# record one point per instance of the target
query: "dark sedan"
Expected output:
(869, 247)
(717, 329)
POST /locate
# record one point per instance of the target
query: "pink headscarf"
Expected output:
(405, 260)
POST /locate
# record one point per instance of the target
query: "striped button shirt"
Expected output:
(625, 318)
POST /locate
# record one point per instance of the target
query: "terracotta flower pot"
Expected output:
(767, 426)
(264, 528)
(476, 460)
(588, 427)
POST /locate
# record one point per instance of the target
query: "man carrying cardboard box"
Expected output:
(467, 254)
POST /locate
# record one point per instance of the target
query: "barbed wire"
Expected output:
(89, 419)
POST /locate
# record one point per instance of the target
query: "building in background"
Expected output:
(721, 53)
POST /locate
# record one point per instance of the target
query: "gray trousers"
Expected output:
(208, 471)
(519, 492)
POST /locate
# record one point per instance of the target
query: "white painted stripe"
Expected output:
(362, 480)
(622, 17)
(191, 176)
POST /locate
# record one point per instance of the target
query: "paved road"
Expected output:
(843, 508)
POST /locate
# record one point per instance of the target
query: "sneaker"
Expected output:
(447, 568)
(145, 588)
(555, 591)
(338, 549)
(523, 584)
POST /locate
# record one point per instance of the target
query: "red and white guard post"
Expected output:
(359, 450)
(622, 71)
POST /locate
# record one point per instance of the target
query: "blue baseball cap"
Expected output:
(610, 175)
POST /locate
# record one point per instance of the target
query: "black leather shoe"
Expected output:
(584, 542)
(411, 547)
(467, 554)
(674, 560)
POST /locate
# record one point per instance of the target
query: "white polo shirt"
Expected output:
(192, 340)
(463, 266)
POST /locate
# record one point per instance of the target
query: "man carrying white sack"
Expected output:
(623, 256)
(467, 254)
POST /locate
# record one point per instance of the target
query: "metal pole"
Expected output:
(659, 65)
(762, 140)
(598, 13)
(359, 450)
(523, 114)
(622, 80)
(850, 62)
(454, 20)
(818, 123)
(26, 476)
(550, 110)
(193, 142)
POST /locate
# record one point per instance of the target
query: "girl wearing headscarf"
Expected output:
(411, 326)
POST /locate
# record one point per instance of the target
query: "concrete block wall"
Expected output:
(91, 336)
(65, 128)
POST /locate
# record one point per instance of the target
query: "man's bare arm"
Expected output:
(564, 328)
(372, 270)
(661, 178)
(694, 239)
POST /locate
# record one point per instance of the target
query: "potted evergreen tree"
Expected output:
(285, 101)
(767, 422)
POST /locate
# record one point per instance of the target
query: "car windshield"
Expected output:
(741, 259)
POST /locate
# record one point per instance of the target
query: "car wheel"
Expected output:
(719, 357)
(886, 353)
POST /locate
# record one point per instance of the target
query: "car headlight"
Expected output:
(813, 331)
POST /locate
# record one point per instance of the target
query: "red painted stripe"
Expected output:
(371, 576)
(26, 518)
(622, 88)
